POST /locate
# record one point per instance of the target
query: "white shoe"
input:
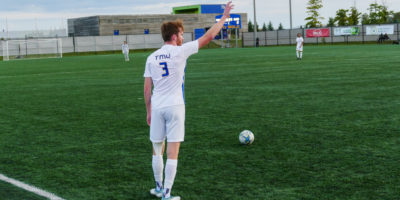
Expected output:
(155, 192)
(172, 198)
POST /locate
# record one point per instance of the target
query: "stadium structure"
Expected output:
(194, 17)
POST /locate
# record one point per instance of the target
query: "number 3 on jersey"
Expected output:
(165, 68)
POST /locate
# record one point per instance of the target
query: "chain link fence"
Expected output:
(267, 38)
(288, 37)
(109, 43)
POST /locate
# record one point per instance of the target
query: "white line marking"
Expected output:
(30, 188)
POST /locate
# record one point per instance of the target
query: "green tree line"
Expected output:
(377, 14)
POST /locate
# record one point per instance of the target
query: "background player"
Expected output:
(125, 50)
(165, 69)
(299, 47)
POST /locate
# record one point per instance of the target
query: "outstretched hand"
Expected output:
(216, 28)
(229, 6)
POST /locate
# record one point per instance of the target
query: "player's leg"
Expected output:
(301, 54)
(298, 54)
(171, 168)
(126, 56)
(175, 126)
(158, 167)
(157, 136)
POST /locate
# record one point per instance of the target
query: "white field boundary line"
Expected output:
(29, 188)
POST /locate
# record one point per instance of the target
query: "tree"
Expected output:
(250, 27)
(280, 26)
(365, 19)
(264, 28)
(270, 26)
(385, 14)
(379, 14)
(258, 27)
(395, 18)
(354, 16)
(373, 13)
(314, 16)
(341, 17)
(331, 22)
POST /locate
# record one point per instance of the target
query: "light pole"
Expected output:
(290, 10)
(255, 24)
(290, 31)
(7, 28)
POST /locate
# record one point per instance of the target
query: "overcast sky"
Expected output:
(49, 14)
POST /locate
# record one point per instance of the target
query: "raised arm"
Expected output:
(148, 84)
(214, 30)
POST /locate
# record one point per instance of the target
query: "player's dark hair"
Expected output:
(168, 29)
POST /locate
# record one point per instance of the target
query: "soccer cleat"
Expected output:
(172, 198)
(155, 192)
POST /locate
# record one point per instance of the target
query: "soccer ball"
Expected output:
(246, 137)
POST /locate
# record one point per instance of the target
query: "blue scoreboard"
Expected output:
(235, 21)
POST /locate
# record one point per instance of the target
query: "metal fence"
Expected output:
(268, 38)
(110, 43)
(288, 37)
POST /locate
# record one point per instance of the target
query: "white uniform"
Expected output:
(125, 51)
(166, 67)
(299, 46)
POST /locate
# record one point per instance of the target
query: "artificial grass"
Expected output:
(326, 127)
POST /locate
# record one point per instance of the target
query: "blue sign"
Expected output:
(198, 33)
(116, 32)
(213, 9)
(235, 21)
(146, 31)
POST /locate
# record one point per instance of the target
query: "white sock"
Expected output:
(298, 56)
(301, 54)
(158, 166)
(170, 172)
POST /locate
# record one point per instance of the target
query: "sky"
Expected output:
(51, 14)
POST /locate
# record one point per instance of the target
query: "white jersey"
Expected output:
(125, 48)
(166, 67)
(299, 41)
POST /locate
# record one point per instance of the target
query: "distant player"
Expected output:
(165, 69)
(299, 47)
(125, 50)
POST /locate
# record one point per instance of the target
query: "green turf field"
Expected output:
(326, 127)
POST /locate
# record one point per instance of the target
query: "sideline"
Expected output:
(29, 188)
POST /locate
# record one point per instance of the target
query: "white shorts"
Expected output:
(299, 48)
(168, 122)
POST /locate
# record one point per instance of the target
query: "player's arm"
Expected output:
(148, 84)
(216, 28)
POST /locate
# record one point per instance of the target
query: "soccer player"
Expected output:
(165, 69)
(125, 51)
(299, 47)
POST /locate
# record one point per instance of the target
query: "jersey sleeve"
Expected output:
(190, 48)
(147, 69)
